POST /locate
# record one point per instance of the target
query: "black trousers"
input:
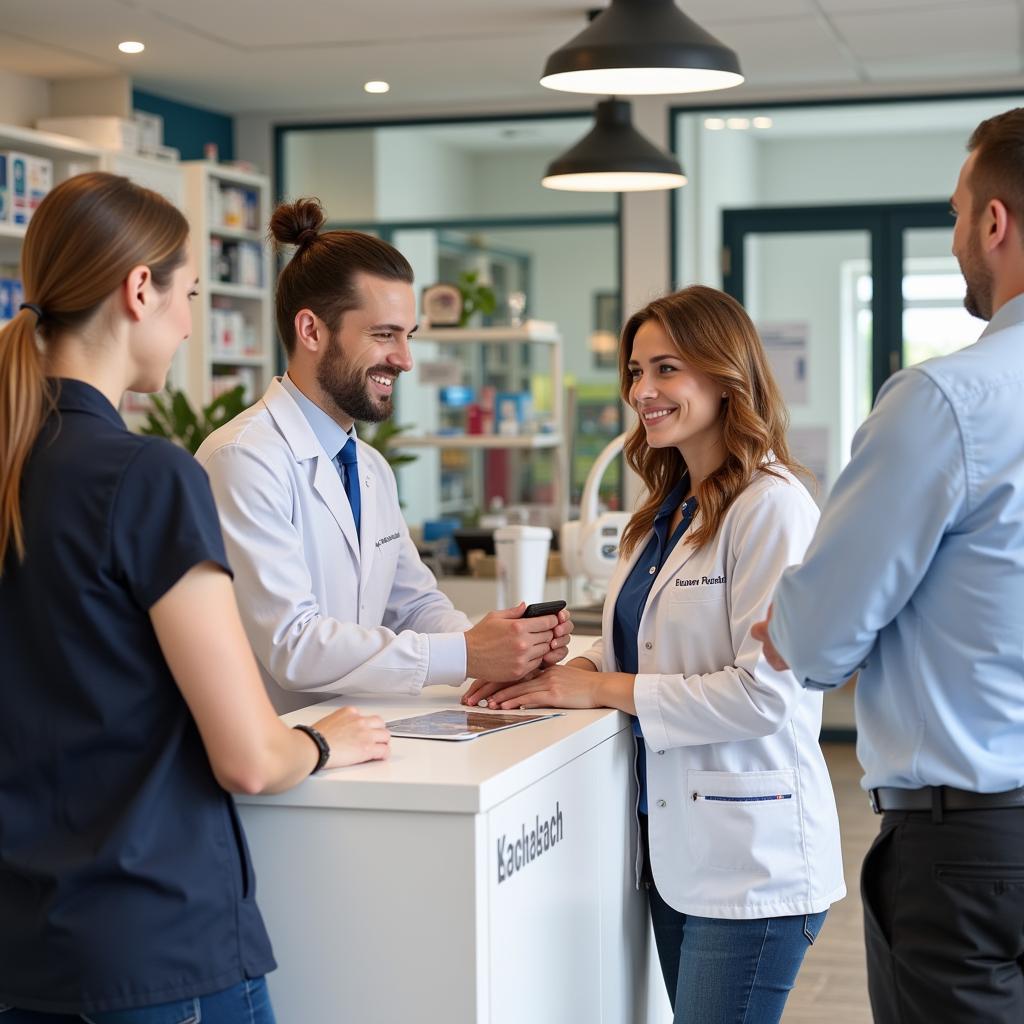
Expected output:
(944, 918)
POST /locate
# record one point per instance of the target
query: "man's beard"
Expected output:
(978, 297)
(349, 389)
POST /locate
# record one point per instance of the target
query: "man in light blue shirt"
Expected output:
(916, 578)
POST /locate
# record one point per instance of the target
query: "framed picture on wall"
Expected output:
(604, 338)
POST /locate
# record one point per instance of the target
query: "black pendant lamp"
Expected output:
(641, 48)
(614, 157)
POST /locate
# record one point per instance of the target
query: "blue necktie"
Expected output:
(347, 463)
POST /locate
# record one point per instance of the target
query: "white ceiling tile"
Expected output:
(938, 31)
(248, 55)
(793, 49)
(976, 66)
(893, 6)
(743, 10)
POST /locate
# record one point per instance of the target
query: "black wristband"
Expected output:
(321, 745)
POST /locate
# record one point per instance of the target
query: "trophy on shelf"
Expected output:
(441, 305)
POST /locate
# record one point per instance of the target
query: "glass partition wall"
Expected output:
(830, 222)
(465, 198)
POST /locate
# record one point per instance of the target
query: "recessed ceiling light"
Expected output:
(714, 124)
(739, 123)
(376, 87)
(762, 122)
(130, 46)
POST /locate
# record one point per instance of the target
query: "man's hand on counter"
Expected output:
(560, 642)
(504, 645)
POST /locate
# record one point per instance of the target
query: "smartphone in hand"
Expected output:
(543, 608)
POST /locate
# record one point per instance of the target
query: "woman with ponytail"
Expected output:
(130, 702)
(738, 837)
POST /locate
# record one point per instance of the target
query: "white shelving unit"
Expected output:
(542, 335)
(210, 367)
(70, 157)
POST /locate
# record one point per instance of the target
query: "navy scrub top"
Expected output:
(629, 608)
(124, 875)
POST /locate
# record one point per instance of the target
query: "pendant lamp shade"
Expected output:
(614, 157)
(642, 48)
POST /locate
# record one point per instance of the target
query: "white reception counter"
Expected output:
(479, 882)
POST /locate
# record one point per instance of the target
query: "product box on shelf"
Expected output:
(150, 132)
(29, 178)
(513, 411)
(120, 134)
(227, 331)
(12, 295)
(244, 375)
(236, 262)
(5, 193)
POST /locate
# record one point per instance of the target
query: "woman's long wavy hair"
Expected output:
(82, 242)
(714, 336)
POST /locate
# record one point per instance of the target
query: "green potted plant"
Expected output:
(476, 297)
(383, 438)
(171, 415)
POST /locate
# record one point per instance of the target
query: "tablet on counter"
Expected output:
(462, 724)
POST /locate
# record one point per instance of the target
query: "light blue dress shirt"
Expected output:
(916, 573)
(328, 432)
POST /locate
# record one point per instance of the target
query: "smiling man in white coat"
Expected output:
(333, 594)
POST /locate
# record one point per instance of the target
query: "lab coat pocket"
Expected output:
(746, 822)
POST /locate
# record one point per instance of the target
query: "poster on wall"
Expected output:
(809, 446)
(786, 346)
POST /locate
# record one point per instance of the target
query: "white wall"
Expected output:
(568, 265)
(866, 168)
(419, 178)
(23, 99)
(508, 184)
(338, 169)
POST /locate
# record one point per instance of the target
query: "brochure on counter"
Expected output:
(462, 724)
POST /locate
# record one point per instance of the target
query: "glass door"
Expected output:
(935, 322)
(843, 297)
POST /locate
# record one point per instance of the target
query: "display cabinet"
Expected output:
(233, 340)
(500, 428)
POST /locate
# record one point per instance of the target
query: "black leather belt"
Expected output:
(943, 798)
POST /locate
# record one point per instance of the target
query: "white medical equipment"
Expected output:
(590, 546)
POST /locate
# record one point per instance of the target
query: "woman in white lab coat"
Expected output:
(738, 833)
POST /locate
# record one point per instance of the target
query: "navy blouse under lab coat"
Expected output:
(629, 607)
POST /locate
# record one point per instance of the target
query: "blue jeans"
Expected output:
(729, 971)
(245, 1003)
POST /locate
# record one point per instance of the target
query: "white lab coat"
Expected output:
(723, 728)
(326, 612)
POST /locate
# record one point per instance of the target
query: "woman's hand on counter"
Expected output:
(483, 689)
(576, 685)
(354, 737)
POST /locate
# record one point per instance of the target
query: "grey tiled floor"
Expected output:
(832, 985)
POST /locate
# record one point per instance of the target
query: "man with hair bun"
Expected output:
(929, 607)
(333, 594)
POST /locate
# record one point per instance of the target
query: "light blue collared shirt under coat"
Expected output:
(916, 572)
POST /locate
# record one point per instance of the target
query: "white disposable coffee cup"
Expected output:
(522, 557)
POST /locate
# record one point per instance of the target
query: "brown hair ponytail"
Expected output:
(83, 240)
